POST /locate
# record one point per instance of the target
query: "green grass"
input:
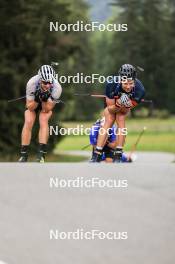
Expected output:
(159, 136)
(49, 158)
(64, 158)
(135, 125)
(149, 142)
(73, 143)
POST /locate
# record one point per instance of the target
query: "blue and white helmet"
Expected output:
(47, 73)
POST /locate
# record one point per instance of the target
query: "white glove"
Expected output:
(125, 100)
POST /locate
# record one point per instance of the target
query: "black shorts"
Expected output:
(39, 108)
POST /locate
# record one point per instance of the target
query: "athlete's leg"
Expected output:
(30, 117)
(103, 133)
(44, 126)
(43, 134)
(120, 119)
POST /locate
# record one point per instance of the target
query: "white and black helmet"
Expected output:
(46, 73)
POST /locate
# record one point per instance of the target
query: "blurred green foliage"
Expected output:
(149, 43)
(26, 43)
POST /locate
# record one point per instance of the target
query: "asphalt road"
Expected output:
(145, 209)
(141, 157)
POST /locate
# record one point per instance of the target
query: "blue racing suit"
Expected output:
(93, 137)
(114, 89)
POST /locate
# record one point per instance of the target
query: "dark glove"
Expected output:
(45, 95)
(117, 155)
(37, 96)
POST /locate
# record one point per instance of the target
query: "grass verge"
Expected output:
(49, 158)
(159, 136)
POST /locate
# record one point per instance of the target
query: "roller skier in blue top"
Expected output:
(121, 97)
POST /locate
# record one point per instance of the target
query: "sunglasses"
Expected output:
(45, 83)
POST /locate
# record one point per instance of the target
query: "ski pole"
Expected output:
(86, 147)
(134, 146)
(104, 96)
(16, 99)
(22, 97)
